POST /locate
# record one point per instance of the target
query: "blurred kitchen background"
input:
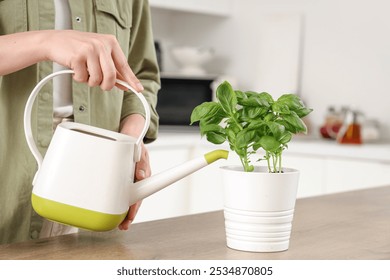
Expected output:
(334, 53)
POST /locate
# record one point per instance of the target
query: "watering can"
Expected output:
(86, 178)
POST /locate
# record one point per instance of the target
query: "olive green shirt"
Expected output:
(130, 21)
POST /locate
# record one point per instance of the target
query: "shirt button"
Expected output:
(82, 108)
(78, 19)
(34, 234)
(44, 142)
(45, 96)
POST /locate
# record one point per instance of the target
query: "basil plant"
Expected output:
(250, 121)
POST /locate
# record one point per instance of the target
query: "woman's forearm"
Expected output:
(96, 59)
(20, 50)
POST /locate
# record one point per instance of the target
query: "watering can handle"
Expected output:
(30, 102)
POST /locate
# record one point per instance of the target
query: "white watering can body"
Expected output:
(87, 176)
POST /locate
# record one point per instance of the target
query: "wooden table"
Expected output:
(351, 225)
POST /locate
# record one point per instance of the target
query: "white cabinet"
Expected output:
(214, 7)
(311, 173)
(347, 174)
(321, 174)
(206, 192)
(174, 199)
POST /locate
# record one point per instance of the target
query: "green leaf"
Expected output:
(215, 138)
(241, 152)
(285, 137)
(295, 104)
(252, 113)
(291, 100)
(287, 126)
(232, 125)
(240, 96)
(245, 137)
(206, 128)
(296, 122)
(256, 146)
(227, 98)
(255, 99)
(256, 124)
(276, 129)
(252, 102)
(303, 112)
(280, 108)
(266, 98)
(269, 143)
(270, 117)
(215, 119)
(206, 110)
(214, 133)
(231, 135)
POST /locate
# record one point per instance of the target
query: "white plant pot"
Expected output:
(259, 208)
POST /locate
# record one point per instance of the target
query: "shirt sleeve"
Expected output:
(142, 60)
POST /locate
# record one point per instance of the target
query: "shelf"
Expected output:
(215, 7)
(178, 75)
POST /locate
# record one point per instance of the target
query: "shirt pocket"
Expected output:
(115, 17)
(13, 16)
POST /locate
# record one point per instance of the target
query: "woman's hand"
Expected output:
(97, 59)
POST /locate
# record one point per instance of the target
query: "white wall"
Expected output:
(347, 57)
(345, 43)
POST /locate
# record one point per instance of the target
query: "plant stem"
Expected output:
(245, 162)
(268, 162)
(274, 160)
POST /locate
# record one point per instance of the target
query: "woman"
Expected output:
(100, 40)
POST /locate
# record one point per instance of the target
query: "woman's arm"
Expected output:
(20, 50)
(97, 59)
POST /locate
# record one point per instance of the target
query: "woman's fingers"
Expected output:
(108, 71)
(80, 69)
(95, 74)
(95, 58)
(123, 68)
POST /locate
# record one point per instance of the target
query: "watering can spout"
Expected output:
(149, 186)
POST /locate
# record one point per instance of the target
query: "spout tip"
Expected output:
(215, 155)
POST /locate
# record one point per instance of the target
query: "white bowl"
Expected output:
(191, 59)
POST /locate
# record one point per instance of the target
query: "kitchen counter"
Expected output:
(306, 145)
(349, 225)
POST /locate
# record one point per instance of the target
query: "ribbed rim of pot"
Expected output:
(258, 169)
